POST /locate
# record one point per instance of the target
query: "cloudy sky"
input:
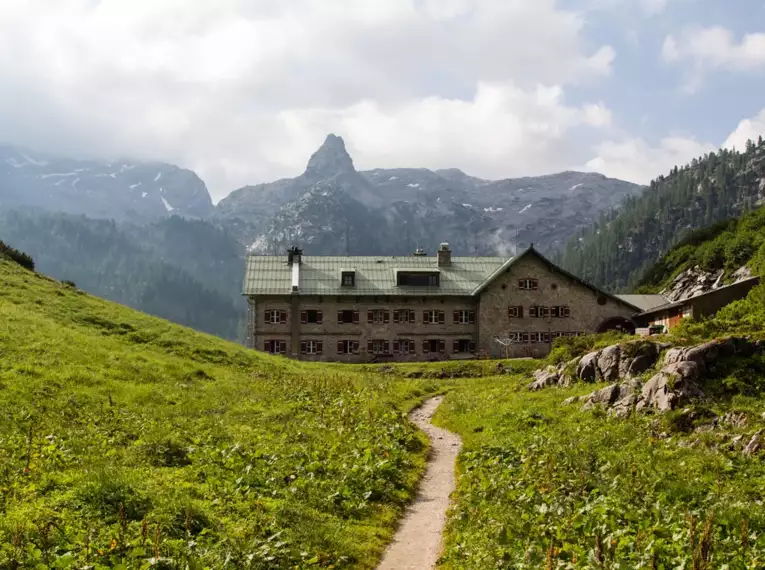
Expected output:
(242, 91)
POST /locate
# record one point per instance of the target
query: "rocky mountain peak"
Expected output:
(331, 159)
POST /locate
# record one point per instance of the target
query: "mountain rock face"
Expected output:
(333, 209)
(126, 191)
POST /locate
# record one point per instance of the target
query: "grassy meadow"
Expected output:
(130, 442)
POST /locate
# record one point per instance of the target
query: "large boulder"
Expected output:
(673, 386)
(587, 369)
(637, 357)
(608, 363)
(544, 377)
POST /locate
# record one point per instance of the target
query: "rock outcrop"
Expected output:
(696, 281)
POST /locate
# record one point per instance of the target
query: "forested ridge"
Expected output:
(625, 243)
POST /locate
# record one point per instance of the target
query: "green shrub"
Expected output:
(17, 256)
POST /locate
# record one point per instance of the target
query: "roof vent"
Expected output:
(419, 252)
(444, 255)
(294, 255)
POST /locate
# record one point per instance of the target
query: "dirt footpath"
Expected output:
(418, 542)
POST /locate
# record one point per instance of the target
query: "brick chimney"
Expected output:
(444, 255)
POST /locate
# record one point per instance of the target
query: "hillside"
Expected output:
(625, 243)
(334, 209)
(187, 271)
(126, 440)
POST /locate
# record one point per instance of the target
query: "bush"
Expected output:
(19, 257)
(69, 283)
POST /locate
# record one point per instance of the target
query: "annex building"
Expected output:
(420, 307)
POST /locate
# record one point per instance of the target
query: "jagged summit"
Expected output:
(330, 159)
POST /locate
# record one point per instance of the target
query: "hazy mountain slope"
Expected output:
(416, 207)
(615, 251)
(133, 191)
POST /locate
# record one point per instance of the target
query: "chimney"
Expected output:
(294, 255)
(444, 255)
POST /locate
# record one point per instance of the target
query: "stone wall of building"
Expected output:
(329, 332)
(588, 309)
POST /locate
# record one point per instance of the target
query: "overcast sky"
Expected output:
(242, 91)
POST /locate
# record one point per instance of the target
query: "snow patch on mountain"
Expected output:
(168, 207)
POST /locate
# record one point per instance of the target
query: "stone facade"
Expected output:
(487, 327)
(588, 309)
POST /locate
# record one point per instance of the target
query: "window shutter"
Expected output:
(441, 346)
(471, 317)
(412, 318)
(319, 317)
(387, 347)
(283, 347)
(534, 284)
(267, 317)
(520, 284)
(370, 317)
(456, 346)
(303, 347)
(267, 346)
(396, 346)
(303, 317)
(472, 346)
(370, 346)
(339, 317)
(355, 317)
(355, 346)
(386, 317)
(425, 347)
(395, 317)
(425, 319)
(456, 317)
(441, 317)
(340, 347)
(319, 347)
(520, 311)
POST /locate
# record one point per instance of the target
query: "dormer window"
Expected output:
(348, 278)
(409, 278)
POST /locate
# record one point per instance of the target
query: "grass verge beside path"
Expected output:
(545, 486)
(130, 442)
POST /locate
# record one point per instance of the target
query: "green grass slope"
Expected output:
(130, 442)
(547, 486)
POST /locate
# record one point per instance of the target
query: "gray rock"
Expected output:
(587, 369)
(571, 400)
(608, 363)
(754, 444)
(607, 396)
(544, 377)
(674, 385)
(637, 358)
(735, 419)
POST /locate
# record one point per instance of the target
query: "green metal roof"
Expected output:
(321, 275)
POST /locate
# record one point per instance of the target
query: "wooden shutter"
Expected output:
(303, 347)
(395, 347)
(284, 317)
(267, 346)
(356, 347)
(521, 284)
(395, 317)
(386, 317)
(471, 317)
(340, 347)
(370, 317)
(425, 320)
(471, 346)
(441, 317)
(425, 347)
(283, 347)
(441, 346)
(370, 346)
(319, 317)
(267, 317)
(339, 317)
(456, 317)
(303, 317)
(456, 346)
(386, 347)
(319, 347)
(520, 311)
(355, 317)
(412, 318)
(534, 284)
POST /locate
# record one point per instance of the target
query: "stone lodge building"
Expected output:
(419, 307)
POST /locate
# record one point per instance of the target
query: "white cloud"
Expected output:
(715, 47)
(748, 129)
(243, 90)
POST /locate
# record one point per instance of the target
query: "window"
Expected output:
(464, 317)
(378, 317)
(528, 284)
(433, 345)
(347, 317)
(275, 346)
(403, 316)
(463, 345)
(515, 312)
(404, 346)
(539, 312)
(311, 317)
(311, 347)
(560, 312)
(347, 347)
(417, 279)
(275, 317)
(378, 346)
(433, 317)
(539, 337)
(348, 279)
